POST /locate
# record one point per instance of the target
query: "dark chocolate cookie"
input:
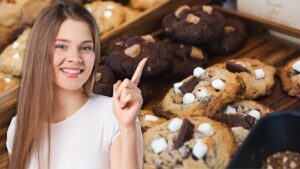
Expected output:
(124, 54)
(233, 38)
(104, 81)
(184, 59)
(196, 25)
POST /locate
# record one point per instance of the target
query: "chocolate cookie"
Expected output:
(124, 54)
(104, 81)
(241, 116)
(234, 36)
(290, 77)
(201, 94)
(184, 59)
(196, 25)
(258, 78)
(192, 143)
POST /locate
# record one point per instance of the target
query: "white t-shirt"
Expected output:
(83, 140)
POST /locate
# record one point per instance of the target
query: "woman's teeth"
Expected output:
(72, 71)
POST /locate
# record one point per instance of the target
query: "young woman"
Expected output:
(60, 124)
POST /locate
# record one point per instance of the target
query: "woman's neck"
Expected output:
(66, 103)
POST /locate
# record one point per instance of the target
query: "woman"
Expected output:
(59, 122)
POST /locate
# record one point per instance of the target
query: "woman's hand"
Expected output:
(127, 98)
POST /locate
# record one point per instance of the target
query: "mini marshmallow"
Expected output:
(198, 72)
(107, 13)
(15, 45)
(200, 149)
(201, 94)
(259, 73)
(229, 110)
(111, 7)
(176, 87)
(150, 117)
(7, 79)
(206, 129)
(188, 98)
(175, 124)
(218, 84)
(16, 56)
(89, 9)
(296, 66)
(159, 145)
(255, 114)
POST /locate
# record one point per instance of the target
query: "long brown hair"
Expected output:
(35, 105)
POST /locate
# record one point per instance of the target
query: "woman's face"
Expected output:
(73, 55)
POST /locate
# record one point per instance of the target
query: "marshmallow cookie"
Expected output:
(108, 15)
(201, 94)
(104, 81)
(241, 116)
(234, 36)
(192, 143)
(196, 25)
(184, 59)
(7, 81)
(280, 160)
(145, 4)
(124, 54)
(149, 120)
(11, 59)
(290, 77)
(258, 78)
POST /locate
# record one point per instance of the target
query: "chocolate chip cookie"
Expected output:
(258, 78)
(233, 38)
(241, 116)
(201, 94)
(149, 120)
(192, 143)
(124, 54)
(287, 160)
(290, 77)
(194, 25)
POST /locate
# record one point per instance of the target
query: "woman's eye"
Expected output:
(86, 48)
(59, 46)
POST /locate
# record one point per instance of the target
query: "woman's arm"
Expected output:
(127, 149)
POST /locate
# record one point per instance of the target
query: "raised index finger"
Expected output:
(138, 71)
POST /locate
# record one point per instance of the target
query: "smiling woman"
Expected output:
(60, 123)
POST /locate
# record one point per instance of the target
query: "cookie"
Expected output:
(124, 54)
(201, 94)
(7, 81)
(195, 26)
(279, 160)
(131, 14)
(149, 120)
(184, 59)
(233, 38)
(258, 78)
(108, 15)
(192, 143)
(147, 90)
(290, 77)
(145, 4)
(241, 116)
(104, 81)
(11, 59)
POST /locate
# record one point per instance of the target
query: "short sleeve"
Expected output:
(11, 134)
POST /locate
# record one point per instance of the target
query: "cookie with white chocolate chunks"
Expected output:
(241, 116)
(7, 81)
(201, 94)
(233, 38)
(125, 52)
(258, 78)
(290, 77)
(145, 4)
(194, 25)
(184, 59)
(193, 143)
(149, 120)
(12, 58)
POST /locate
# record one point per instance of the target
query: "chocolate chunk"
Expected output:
(186, 133)
(251, 120)
(189, 85)
(236, 68)
(238, 120)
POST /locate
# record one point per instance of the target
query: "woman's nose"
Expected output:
(74, 56)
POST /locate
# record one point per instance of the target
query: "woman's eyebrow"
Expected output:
(63, 40)
(87, 41)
